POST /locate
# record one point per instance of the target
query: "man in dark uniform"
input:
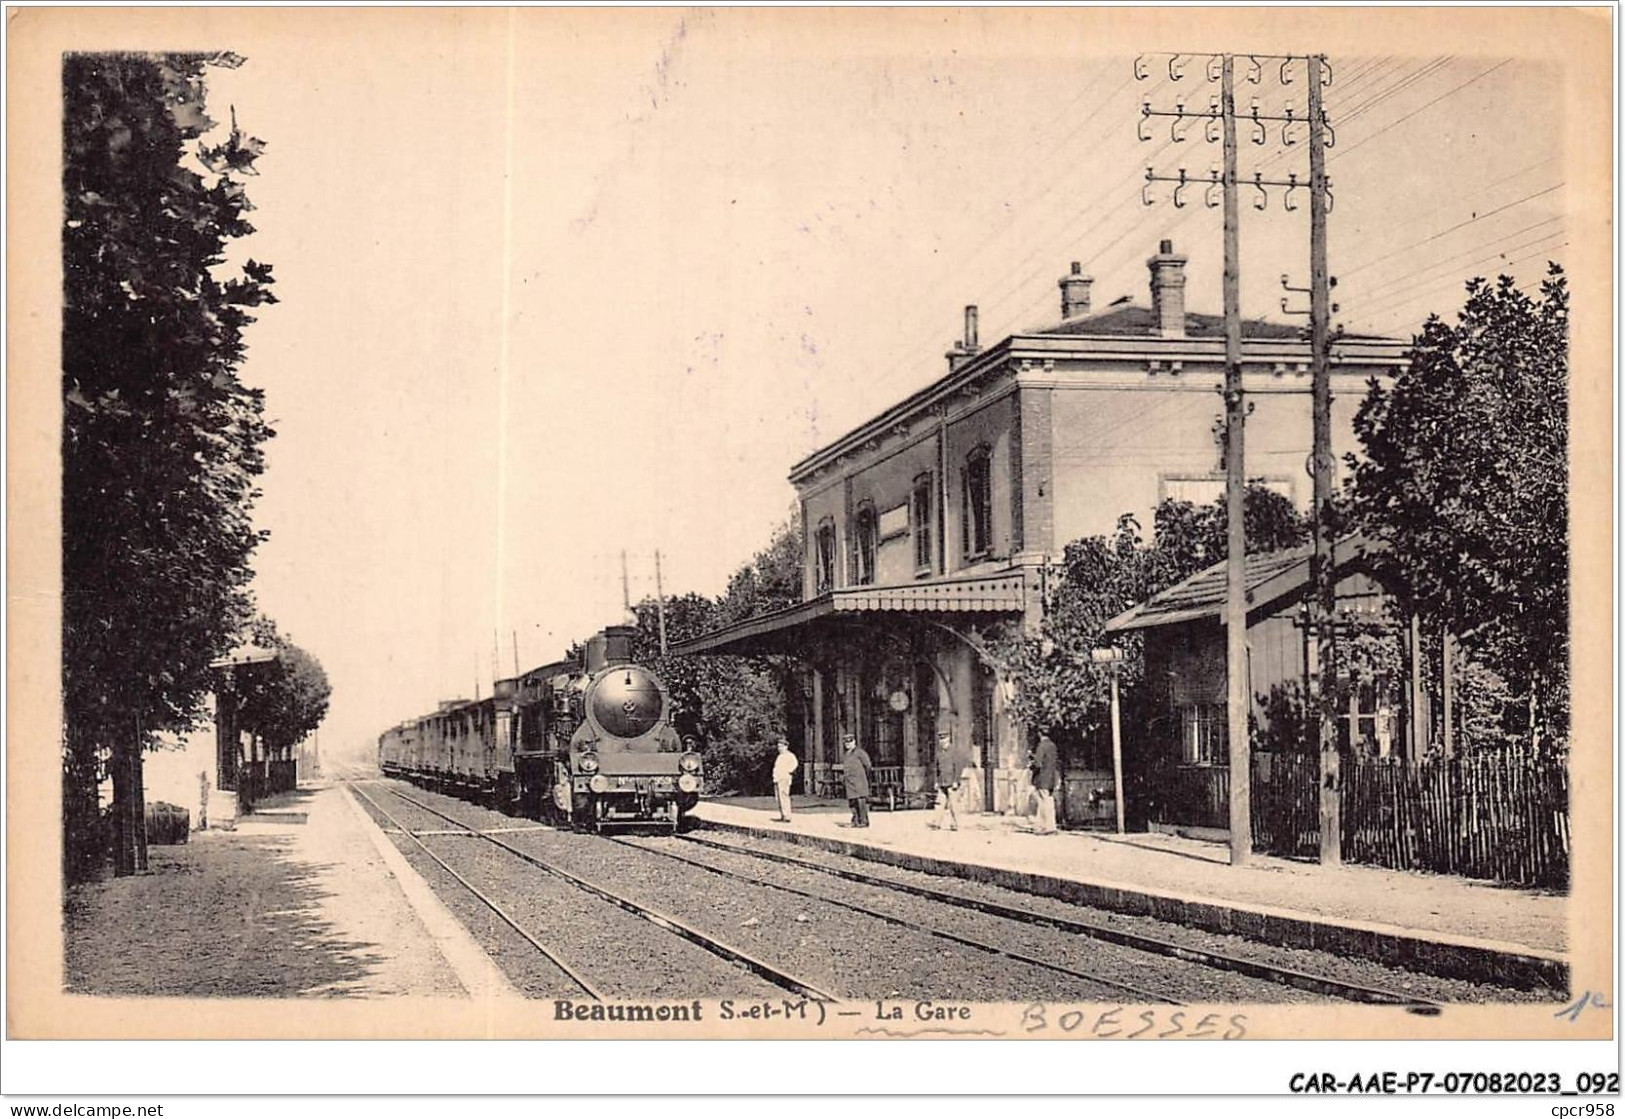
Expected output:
(855, 765)
(1046, 768)
(950, 769)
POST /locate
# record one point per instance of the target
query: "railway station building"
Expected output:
(929, 529)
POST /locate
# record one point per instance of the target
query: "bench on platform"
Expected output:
(886, 789)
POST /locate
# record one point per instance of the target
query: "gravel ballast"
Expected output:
(620, 953)
(1349, 970)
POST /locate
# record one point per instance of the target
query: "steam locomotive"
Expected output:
(586, 742)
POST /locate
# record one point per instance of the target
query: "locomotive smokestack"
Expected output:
(612, 645)
(618, 644)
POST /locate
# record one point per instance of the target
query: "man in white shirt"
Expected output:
(784, 769)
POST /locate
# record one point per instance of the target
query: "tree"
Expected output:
(734, 706)
(285, 701)
(689, 680)
(1465, 478)
(161, 441)
(772, 579)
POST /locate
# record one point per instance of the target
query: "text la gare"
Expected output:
(923, 1011)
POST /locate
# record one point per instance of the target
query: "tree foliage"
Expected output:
(734, 707)
(1465, 477)
(161, 441)
(285, 701)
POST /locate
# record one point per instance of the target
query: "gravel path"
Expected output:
(620, 953)
(1363, 972)
(293, 906)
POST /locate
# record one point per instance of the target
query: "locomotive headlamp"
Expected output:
(688, 783)
(587, 763)
(599, 783)
(689, 763)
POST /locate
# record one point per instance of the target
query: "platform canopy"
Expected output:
(245, 654)
(795, 629)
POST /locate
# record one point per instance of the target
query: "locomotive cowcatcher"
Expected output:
(587, 742)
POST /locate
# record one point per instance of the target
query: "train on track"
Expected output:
(586, 742)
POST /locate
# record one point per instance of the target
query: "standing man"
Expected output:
(855, 765)
(784, 769)
(1046, 767)
(950, 770)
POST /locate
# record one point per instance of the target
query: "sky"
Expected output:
(558, 285)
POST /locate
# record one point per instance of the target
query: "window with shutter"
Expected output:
(921, 526)
(825, 574)
(978, 504)
(864, 544)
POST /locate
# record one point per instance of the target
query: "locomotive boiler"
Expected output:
(587, 742)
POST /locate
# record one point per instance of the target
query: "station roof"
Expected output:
(789, 629)
(1271, 576)
(1131, 320)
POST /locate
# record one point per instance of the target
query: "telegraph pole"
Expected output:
(1237, 700)
(660, 601)
(1323, 563)
(626, 587)
(1218, 121)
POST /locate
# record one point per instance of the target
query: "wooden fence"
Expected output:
(1498, 816)
(1286, 804)
(256, 780)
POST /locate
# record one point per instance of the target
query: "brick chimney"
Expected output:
(1168, 290)
(968, 347)
(1075, 293)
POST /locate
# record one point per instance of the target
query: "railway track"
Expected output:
(588, 988)
(1199, 957)
(1257, 969)
(1139, 993)
(668, 923)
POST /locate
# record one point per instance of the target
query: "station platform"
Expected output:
(305, 897)
(1433, 923)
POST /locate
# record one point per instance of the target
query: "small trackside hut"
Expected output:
(1176, 757)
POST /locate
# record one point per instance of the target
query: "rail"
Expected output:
(1257, 969)
(942, 934)
(655, 917)
(483, 897)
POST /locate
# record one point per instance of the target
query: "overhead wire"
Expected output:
(999, 230)
(1366, 87)
(1341, 152)
(1389, 310)
(1085, 211)
(1482, 190)
(1451, 229)
(904, 362)
(1421, 73)
(1397, 283)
